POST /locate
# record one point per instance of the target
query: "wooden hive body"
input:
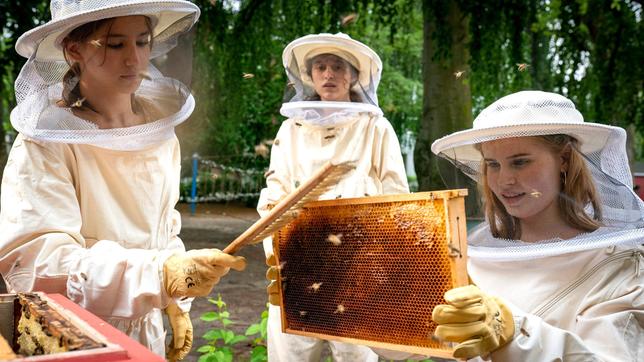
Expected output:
(370, 270)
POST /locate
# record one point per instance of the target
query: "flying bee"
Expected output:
(145, 75)
(315, 287)
(335, 239)
(78, 103)
(459, 73)
(303, 313)
(536, 194)
(346, 20)
(522, 67)
(96, 42)
(248, 75)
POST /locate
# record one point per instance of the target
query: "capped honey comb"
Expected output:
(370, 270)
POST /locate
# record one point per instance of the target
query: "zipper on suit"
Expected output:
(636, 254)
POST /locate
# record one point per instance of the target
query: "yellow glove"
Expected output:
(272, 274)
(181, 333)
(478, 322)
(195, 272)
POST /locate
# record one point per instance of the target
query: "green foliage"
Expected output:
(221, 339)
(259, 353)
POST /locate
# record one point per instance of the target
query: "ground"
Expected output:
(215, 226)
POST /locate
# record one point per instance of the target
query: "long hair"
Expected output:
(577, 192)
(71, 86)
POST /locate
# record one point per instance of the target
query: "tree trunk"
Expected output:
(447, 104)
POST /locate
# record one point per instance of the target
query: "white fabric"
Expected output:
(95, 225)
(300, 149)
(581, 306)
(43, 42)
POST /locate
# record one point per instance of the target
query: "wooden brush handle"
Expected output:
(283, 206)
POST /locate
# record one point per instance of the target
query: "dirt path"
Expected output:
(214, 226)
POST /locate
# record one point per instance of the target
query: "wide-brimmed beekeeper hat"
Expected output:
(360, 56)
(44, 42)
(526, 113)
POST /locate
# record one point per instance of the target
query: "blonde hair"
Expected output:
(577, 191)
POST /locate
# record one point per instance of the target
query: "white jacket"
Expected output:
(300, 149)
(581, 306)
(95, 225)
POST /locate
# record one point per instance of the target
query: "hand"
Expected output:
(480, 323)
(272, 274)
(194, 273)
(181, 333)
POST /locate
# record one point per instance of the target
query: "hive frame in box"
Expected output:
(110, 351)
(360, 270)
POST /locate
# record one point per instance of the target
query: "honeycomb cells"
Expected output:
(380, 283)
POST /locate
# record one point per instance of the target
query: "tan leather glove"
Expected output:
(181, 333)
(195, 272)
(478, 322)
(272, 274)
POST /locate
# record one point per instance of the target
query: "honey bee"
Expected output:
(522, 67)
(459, 73)
(248, 75)
(349, 19)
(315, 287)
(145, 75)
(78, 103)
(335, 239)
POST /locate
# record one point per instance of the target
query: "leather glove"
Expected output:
(181, 333)
(272, 274)
(195, 272)
(478, 322)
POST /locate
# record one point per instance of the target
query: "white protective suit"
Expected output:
(581, 306)
(301, 148)
(95, 225)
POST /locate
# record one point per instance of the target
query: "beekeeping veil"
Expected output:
(534, 113)
(164, 101)
(302, 101)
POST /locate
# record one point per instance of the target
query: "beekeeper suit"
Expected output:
(577, 299)
(88, 212)
(318, 130)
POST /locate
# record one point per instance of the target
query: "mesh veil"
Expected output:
(164, 101)
(301, 100)
(603, 148)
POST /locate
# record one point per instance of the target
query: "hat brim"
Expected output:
(369, 62)
(44, 41)
(461, 145)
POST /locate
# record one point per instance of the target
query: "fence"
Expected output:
(211, 179)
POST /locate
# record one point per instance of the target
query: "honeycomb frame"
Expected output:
(370, 270)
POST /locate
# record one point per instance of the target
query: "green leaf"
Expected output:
(209, 316)
(238, 338)
(206, 349)
(228, 336)
(226, 322)
(213, 335)
(225, 314)
(253, 329)
(258, 354)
